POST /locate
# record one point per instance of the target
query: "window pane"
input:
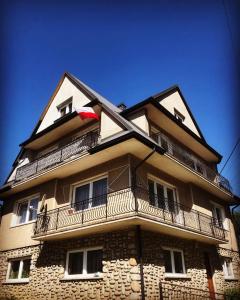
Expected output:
(94, 261)
(75, 263)
(33, 209)
(82, 197)
(14, 269)
(170, 196)
(151, 192)
(178, 261)
(99, 196)
(160, 196)
(164, 144)
(26, 268)
(218, 216)
(167, 259)
(63, 111)
(229, 267)
(22, 212)
(70, 107)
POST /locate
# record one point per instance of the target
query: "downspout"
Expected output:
(138, 229)
(236, 225)
(134, 176)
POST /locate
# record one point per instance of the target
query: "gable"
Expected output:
(67, 91)
(174, 103)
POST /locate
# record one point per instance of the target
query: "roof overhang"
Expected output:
(54, 132)
(163, 118)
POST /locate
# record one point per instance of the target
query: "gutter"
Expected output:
(127, 136)
(236, 225)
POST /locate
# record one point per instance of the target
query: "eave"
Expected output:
(152, 101)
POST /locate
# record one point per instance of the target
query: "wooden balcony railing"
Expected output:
(120, 205)
(191, 161)
(169, 291)
(53, 158)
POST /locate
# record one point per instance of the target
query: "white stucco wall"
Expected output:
(66, 91)
(108, 126)
(175, 101)
(140, 120)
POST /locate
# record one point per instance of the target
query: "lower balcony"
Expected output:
(123, 208)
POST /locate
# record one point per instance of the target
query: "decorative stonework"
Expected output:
(121, 269)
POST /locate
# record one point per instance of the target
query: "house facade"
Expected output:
(130, 206)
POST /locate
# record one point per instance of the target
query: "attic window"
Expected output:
(178, 115)
(65, 108)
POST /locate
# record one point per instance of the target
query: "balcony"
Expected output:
(71, 151)
(191, 161)
(128, 205)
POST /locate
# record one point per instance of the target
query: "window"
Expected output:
(178, 115)
(65, 108)
(84, 263)
(26, 210)
(227, 268)
(219, 218)
(174, 261)
(18, 270)
(162, 195)
(90, 194)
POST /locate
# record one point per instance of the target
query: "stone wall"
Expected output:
(234, 255)
(121, 270)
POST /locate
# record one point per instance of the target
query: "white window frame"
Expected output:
(65, 104)
(179, 116)
(84, 274)
(174, 274)
(19, 279)
(223, 215)
(165, 186)
(225, 269)
(90, 182)
(16, 210)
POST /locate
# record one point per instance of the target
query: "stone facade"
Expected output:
(121, 268)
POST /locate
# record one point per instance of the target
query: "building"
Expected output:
(128, 207)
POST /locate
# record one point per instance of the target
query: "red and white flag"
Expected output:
(87, 113)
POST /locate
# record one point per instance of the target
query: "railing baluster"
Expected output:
(82, 211)
(184, 222)
(106, 206)
(57, 219)
(199, 223)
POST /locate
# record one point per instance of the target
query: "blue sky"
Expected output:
(126, 50)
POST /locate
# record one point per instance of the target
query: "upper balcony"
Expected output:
(71, 151)
(191, 161)
(123, 208)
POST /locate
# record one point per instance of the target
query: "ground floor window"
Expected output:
(84, 263)
(174, 261)
(19, 269)
(227, 268)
